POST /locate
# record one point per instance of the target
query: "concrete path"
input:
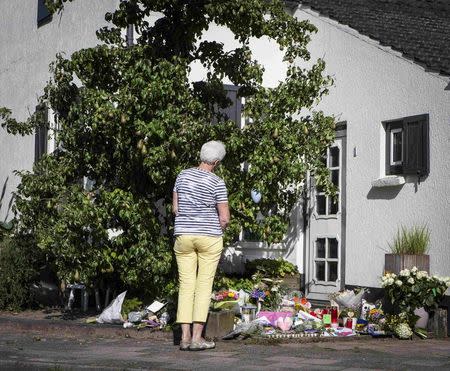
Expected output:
(60, 347)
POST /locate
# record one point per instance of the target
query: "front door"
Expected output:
(325, 235)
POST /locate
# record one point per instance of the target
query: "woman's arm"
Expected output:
(175, 203)
(224, 214)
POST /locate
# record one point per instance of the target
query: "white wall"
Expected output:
(373, 84)
(26, 54)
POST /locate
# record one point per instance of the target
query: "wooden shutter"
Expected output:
(43, 15)
(415, 150)
(41, 136)
(233, 112)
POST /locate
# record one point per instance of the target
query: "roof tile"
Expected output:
(420, 29)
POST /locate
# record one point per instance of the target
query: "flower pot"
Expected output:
(422, 322)
(394, 263)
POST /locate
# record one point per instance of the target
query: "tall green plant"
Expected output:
(131, 120)
(412, 241)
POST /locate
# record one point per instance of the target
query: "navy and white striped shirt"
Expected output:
(199, 191)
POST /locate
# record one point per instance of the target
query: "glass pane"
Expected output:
(332, 248)
(333, 206)
(332, 271)
(321, 204)
(320, 248)
(320, 271)
(397, 146)
(334, 156)
(335, 177)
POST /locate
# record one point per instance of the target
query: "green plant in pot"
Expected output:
(409, 249)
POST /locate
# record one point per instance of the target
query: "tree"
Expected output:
(130, 121)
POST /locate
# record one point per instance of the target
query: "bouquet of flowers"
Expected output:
(348, 298)
(258, 295)
(412, 289)
(375, 315)
(267, 292)
(398, 324)
(225, 299)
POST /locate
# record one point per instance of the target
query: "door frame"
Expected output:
(341, 133)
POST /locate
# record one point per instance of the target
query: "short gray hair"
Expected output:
(212, 151)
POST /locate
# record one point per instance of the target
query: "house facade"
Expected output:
(391, 99)
(29, 41)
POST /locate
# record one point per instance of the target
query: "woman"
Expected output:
(200, 205)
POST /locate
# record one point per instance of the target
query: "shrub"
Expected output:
(275, 268)
(18, 268)
(234, 283)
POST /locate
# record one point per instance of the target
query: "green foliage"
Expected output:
(18, 269)
(130, 305)
(413, 241)
(223, 282)
(130, 120)
(275, 268)
(5, 228)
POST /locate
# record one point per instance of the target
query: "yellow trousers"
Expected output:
(197, 259)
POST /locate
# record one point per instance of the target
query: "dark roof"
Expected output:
(419, 29)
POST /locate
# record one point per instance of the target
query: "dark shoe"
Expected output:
(184, 345)
(202, 345)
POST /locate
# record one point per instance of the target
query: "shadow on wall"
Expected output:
(389, 193)
(2, 197)
(383, 193)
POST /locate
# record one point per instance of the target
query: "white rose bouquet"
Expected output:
(412, 289)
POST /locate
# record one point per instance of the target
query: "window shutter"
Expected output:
(416, 145)
(41, 136)
(43, 15)
(233, 112)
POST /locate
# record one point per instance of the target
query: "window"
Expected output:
(233, 112)
(407, 146)
(326, 259)
(325, 205)
(43, 15)
(41, 135)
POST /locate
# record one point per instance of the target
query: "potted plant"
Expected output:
(409, 249)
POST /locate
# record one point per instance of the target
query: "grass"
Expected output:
(413, 241)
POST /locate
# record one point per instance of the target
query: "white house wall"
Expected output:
(26, 52)
(374, 84)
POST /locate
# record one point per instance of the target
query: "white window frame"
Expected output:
(328, 198)
(391, 151)
(327, 260)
